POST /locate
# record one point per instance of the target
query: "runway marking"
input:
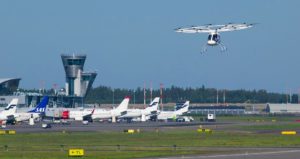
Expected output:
(235, 155)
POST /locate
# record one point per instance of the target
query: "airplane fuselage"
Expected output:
(132, 113)
(26, 116)
(106, 114)
(79, 114)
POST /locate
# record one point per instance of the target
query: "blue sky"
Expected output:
(132, 42)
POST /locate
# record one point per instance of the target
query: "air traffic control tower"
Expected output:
(78, 82)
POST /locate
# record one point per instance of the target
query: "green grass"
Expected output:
(93, 154)
(273, 126)
(251, 118)
(144, 144)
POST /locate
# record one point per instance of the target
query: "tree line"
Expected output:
(105, 94)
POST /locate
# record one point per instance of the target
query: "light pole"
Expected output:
(217, 97)
(224, 96)
(113, 91)
(134, 96)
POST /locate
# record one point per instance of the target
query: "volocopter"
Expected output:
(214, 38)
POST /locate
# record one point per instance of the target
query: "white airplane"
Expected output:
(165, 115)
(10, 110)
(214, 38)
(143, 114)
(113, 113)
(35, 113)
(81, 114)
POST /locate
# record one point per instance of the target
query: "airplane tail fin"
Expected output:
(124, 105)
(153, 106)
(183, 109)
(41, 107)
(12, 106)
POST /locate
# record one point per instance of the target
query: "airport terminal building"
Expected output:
(8, 85)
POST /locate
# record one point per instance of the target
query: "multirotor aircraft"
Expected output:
(214, 38)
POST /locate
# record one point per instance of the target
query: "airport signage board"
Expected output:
(288, 132)
(76, 152)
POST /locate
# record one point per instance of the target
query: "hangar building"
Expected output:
(224, 110)
(286, 108)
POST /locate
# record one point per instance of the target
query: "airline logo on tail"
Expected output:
(186, 104)
(153, 107)
(182, 105)
(12, 104)
(154, 102)
(41, 107)
(10, 107)
(183, 109)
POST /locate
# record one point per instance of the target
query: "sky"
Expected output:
(133, 42)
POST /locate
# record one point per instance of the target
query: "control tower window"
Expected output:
(75, 62)
(86, 78)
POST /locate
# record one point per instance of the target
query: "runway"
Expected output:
(278, 153)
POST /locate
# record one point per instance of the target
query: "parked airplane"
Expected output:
(9, 111)
(35, 113)
(165, 115)
(142, 114)
(113, 113)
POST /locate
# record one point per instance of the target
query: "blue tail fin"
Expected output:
(41, 107)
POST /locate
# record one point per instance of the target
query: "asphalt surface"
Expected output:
(276, 153)
(107, 127)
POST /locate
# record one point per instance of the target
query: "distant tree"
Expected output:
(105, 94)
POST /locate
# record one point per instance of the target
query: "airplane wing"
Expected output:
(234, 27)
(198, 29)
(209, 28)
